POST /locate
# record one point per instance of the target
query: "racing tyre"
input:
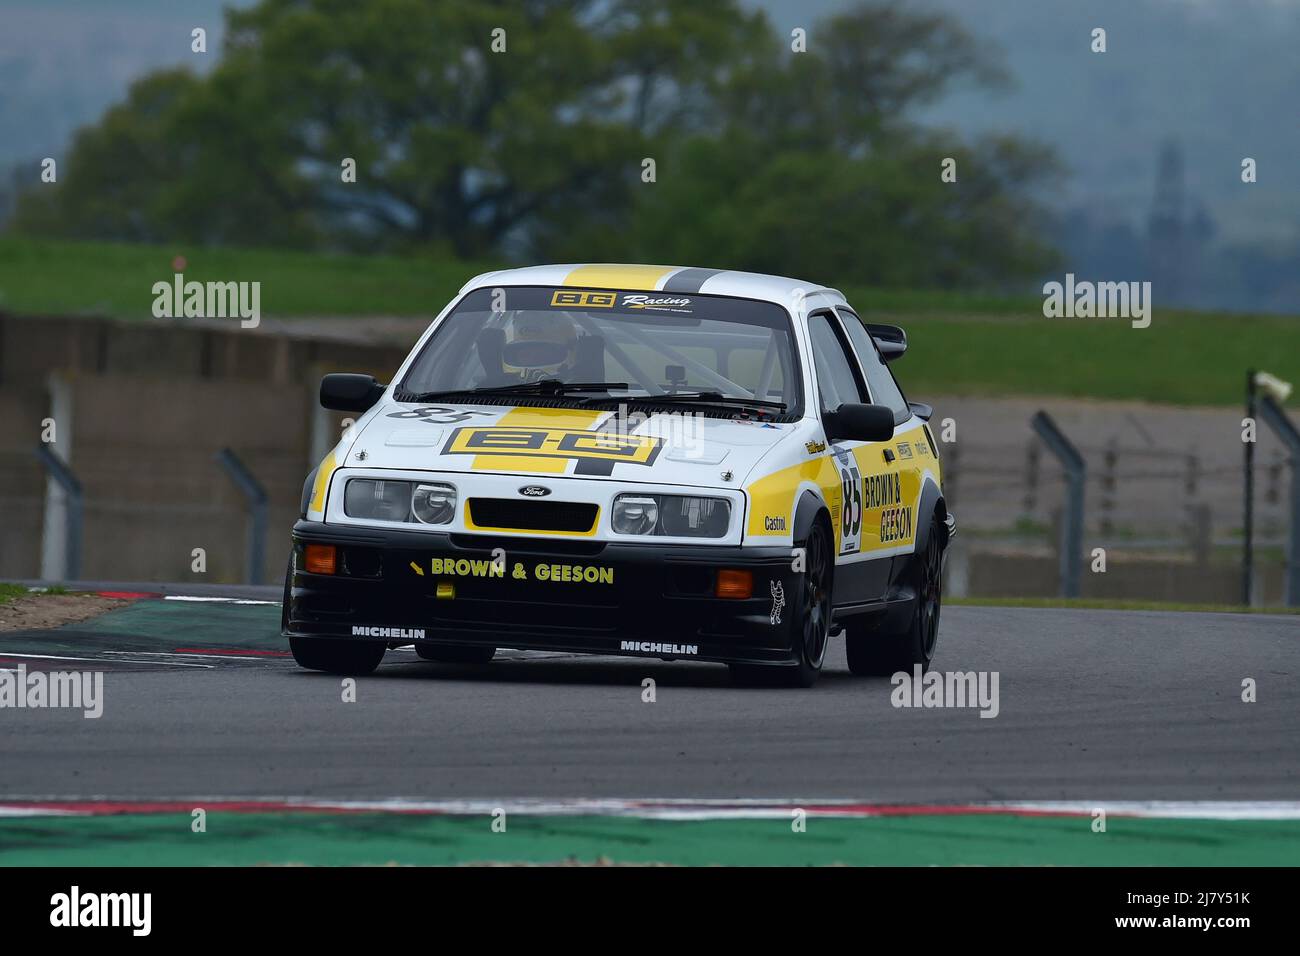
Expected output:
(462, 654)
(809, 620)
(349, 658)
(880, 651)
(353, 658)
(284, 607)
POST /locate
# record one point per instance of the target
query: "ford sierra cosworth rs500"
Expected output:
(675, 463)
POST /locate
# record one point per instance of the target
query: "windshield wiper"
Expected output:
(549, 387)
(554, 388)
(709, 398)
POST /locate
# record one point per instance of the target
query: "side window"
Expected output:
(837, 383)
(880, 380)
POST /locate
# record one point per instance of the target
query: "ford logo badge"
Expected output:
(534, 491)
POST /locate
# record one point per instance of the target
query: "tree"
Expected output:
(455, 139)
(499, 127)
(176, 161)
(821, 172)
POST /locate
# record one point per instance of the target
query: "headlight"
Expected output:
(433, 503)
(683, 517)
(675, 516)
(379, 499)
(635, 514)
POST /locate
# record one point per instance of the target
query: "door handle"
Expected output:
(889, 455)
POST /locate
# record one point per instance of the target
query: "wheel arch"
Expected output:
(931, 506)
(306, 492)
(807, 510)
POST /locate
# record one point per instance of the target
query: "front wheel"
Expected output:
(883, 651)
(809, 621)
(350, 658)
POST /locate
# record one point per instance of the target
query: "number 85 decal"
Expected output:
(851, 510)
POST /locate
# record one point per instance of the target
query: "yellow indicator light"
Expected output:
(446, 590)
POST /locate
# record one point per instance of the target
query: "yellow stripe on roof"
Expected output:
(644, 278)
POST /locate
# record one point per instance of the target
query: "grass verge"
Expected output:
(961, 343)
(56, 277)
(10, 591)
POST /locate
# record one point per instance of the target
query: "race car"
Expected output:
(671, 463)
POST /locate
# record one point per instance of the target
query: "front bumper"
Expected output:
(592, 597)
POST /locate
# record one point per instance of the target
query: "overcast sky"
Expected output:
(1220, 76)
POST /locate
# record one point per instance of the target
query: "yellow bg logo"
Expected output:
(553, 443)
(588, 300)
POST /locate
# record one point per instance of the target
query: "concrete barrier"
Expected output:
(151, 405)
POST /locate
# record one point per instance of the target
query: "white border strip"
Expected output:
(217, 600)
(676, 809)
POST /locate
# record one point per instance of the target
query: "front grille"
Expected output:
(586, 548)
(574, 517)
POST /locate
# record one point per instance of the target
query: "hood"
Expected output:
(526, 440)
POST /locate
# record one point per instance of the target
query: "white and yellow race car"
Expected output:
(672, 463)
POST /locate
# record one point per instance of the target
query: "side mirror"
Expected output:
(860, 423)
(349, 392)
(890, 339)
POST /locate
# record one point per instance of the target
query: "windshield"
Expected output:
(640, 344)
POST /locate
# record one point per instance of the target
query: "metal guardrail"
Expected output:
(57, 469)
(1286, 430)
(1075, 474)
(256, 499)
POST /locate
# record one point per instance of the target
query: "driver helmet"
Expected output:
(543, 327)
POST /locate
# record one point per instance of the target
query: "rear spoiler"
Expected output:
(890, 339)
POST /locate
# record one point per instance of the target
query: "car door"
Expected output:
(896, 518)
(868, 471)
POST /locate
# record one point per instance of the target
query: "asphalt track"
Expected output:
(1094, 705)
